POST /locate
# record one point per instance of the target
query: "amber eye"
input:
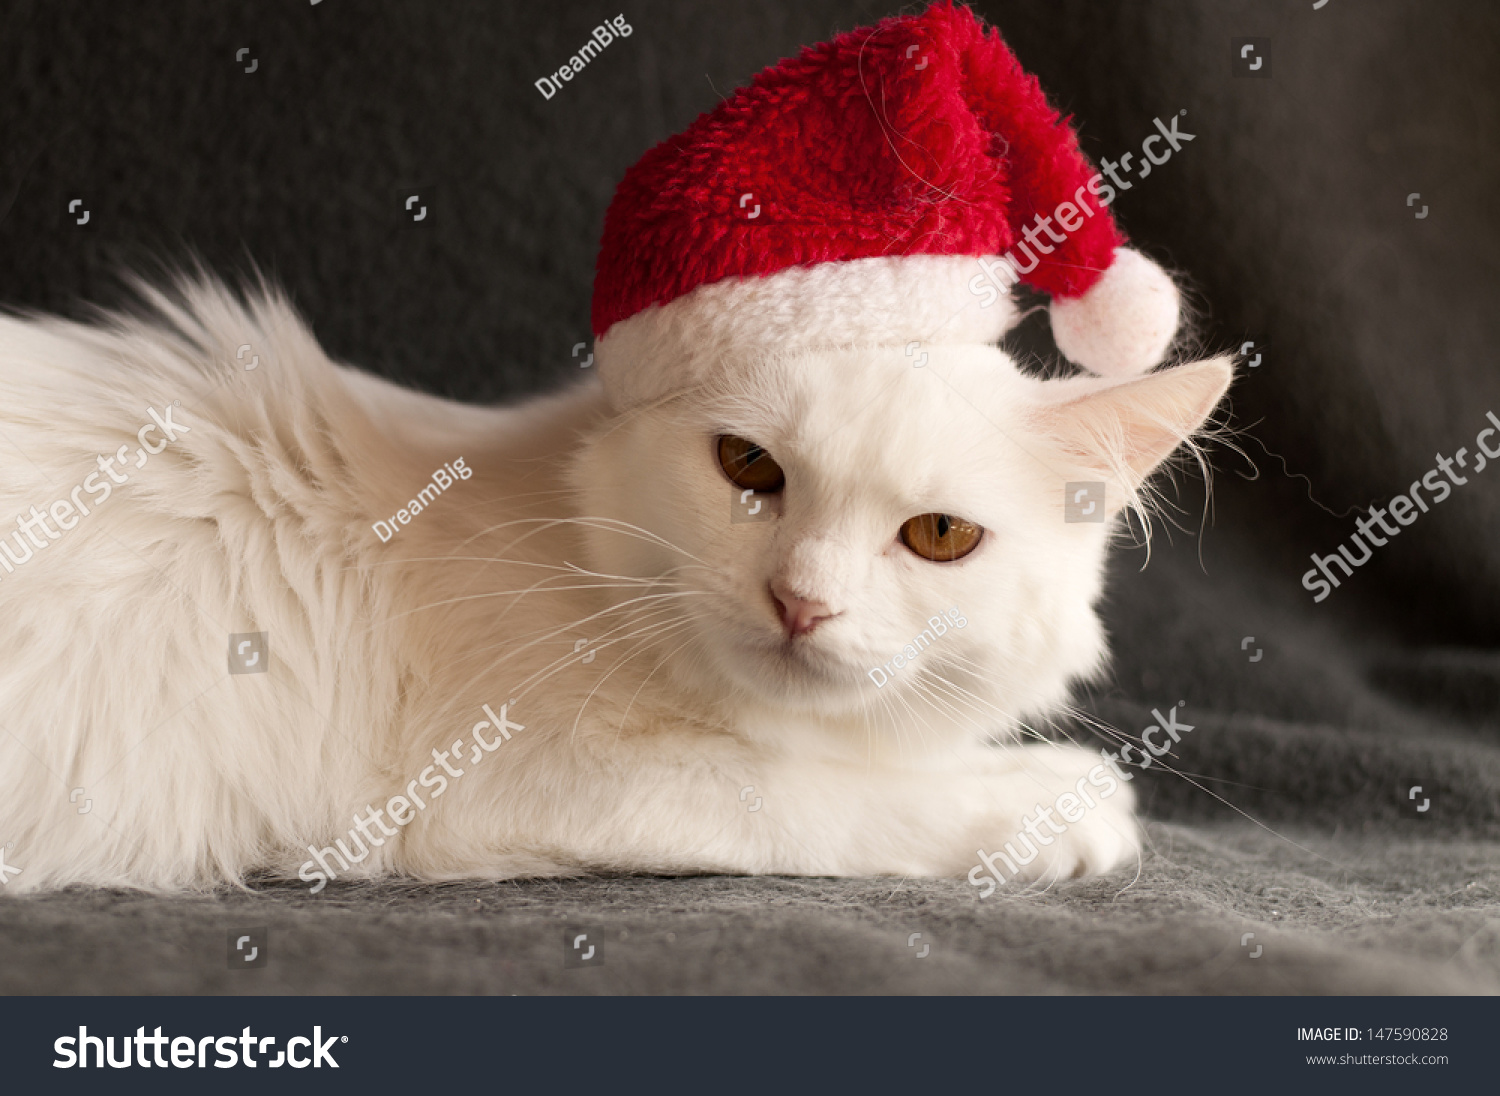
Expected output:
(748, 465)
(939, 537)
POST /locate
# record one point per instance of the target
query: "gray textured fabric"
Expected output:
(1425, 923)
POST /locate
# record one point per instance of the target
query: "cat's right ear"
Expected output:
(1122, 431)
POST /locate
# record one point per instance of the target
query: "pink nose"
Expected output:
(798, 615)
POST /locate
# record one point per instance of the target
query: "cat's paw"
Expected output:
(1065, 814)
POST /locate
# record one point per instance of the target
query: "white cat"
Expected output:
(572, 647)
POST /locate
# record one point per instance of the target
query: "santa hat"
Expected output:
(867, 193)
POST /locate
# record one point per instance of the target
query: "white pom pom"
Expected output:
(1124, 324)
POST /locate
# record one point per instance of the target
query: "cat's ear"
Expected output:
(1123, 431)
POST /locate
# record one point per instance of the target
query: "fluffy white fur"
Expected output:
(889, 301)
(581, 523)
(1121, 327)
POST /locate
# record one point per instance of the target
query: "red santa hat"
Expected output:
(867, 193)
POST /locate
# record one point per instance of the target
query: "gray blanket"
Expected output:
(1425, 922)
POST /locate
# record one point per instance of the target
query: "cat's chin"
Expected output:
(794, 676)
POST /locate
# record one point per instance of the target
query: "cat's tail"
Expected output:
(175, 473)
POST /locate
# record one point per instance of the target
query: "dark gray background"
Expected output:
(1287, 214)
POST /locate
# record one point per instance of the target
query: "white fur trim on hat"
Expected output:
(888, 301)
(1124, 324)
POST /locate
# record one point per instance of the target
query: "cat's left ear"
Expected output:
(1123, 431)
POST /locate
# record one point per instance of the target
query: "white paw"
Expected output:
(1059, 813)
